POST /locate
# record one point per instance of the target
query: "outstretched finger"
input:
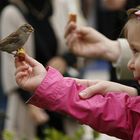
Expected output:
(22, 68)
(31, 61)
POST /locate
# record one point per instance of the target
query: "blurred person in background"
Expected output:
(107, 21)
(110, 17)
(13, 16)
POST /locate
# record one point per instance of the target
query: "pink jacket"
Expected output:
(113, 114)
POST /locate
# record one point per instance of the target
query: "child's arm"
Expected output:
(103, 87)
(110, 114)
(107, 114)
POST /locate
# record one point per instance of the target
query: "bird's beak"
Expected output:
(31, 29)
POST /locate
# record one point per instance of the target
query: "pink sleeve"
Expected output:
(108, 114)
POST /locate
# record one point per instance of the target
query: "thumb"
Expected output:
(90, 91)
(31, 61)
(82, 31)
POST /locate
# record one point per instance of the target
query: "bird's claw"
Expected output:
(14, 53)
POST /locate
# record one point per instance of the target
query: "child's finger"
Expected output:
(20, 74)
(22, 68)
(28, 60)
(18, 63)
(32, 62)
(90, 91)
(19, 77)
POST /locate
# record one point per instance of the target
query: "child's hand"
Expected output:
(29, 73)
(103, 87)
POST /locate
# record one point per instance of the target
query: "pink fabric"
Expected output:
(114, 114)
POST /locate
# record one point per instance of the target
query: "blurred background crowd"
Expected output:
(47, 45)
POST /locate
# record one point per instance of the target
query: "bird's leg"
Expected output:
(14, 53)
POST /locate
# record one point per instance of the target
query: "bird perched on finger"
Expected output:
(17, 39)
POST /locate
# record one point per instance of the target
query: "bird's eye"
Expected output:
(26, 28)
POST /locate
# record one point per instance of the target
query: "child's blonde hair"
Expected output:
(133, 22)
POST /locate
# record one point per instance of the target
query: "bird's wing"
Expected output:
(12, 38)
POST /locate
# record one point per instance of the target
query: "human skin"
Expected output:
(134, 41)
(114, 4)
(30, 73)
(89, 43)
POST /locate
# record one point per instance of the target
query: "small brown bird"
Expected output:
(17, 39)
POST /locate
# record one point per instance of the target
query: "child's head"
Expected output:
(132, 33)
